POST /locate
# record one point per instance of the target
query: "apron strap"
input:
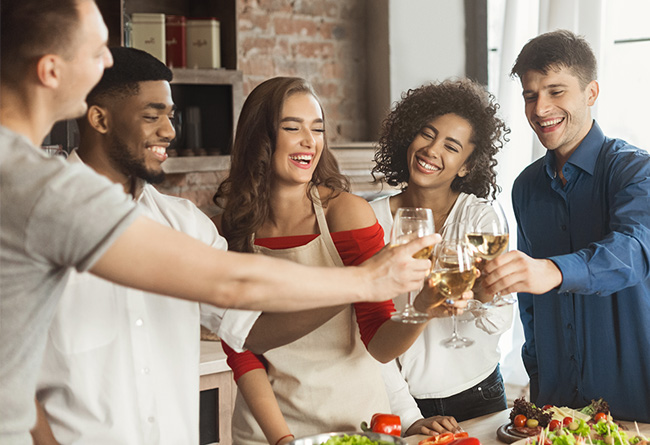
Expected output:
(323, 228)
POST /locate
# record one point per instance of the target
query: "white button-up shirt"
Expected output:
(122, 366)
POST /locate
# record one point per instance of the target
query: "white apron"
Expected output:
(326, 380)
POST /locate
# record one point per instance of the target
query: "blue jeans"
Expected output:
(488, 396)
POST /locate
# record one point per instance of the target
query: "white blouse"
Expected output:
(428, 369)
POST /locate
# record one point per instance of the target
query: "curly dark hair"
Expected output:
(244, 195)
(418, 107)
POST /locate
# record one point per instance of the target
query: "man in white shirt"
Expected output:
(122, 365)
(55, 216)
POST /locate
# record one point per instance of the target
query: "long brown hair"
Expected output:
(245, 194)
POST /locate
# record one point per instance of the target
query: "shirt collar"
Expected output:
(585, 156)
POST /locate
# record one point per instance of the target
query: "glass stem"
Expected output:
(409, 301)
(454, 324)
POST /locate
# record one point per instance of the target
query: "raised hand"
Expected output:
(394, 271)
(517, 272)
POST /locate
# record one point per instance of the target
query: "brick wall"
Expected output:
(322, 41)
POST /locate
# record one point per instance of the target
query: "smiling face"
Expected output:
(557, 108)
(439, 151)
(139, 131)
(300, 139)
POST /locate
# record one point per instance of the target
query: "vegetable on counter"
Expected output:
(353, 439)
(461, 438)
(384, 424)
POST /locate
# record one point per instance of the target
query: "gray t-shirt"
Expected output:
(53, 216)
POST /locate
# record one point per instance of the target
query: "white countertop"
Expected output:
(213, 359)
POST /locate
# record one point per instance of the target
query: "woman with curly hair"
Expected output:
(439, 145)
(285, 197)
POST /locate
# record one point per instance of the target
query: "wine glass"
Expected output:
(453, 273)
(411, 223)
(487, 233)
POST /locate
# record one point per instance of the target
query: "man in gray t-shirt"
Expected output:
(54, 216)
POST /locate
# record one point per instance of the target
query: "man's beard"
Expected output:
(129, 165)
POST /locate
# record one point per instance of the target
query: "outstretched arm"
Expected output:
(157, 259)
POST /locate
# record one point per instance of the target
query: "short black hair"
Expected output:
(130, 67)
(557, 49)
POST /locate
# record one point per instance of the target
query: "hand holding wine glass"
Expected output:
(488, 236)
(453, 273)
(411, 223)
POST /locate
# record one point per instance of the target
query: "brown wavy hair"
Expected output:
(418, 107)
(245, 194)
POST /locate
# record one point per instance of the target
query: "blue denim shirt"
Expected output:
(591, 337)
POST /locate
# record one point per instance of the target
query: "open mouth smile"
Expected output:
(159, 151)
(550, 124)
(427, 167)
(301, 160)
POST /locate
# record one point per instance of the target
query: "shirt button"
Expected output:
(145, 370)
(573, 357)
(139, 322)
(569, 326)
(151, 419)
(563, 227)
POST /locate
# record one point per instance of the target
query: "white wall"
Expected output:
(427, 42)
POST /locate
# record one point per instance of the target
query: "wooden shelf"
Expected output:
(200, 76)
(188, 164)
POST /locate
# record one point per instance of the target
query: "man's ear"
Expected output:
(98, 118)
(592, 92)
(48, 70)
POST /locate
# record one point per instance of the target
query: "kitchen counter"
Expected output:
(213, 359)
(217, 379)
(485, 428)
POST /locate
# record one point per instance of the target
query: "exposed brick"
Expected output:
(275, 6)
(314, 49)
(295, 26)
(254, 45)
(260, 66)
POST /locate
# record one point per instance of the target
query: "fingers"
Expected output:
(441, 424)
(412, 247)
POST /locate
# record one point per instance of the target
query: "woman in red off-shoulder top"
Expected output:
(286, 198)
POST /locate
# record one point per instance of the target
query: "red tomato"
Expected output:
(545, 407)
(600, 416)
(567, 421)
(554, 425)
(520, 420)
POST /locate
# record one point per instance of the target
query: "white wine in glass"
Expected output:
(409, 224)
(453, 274)
(488, 235)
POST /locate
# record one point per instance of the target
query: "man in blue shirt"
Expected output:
(583, 265)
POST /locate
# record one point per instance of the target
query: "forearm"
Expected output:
(259, 396)
(42, 432)
(272, 330)
(392, 339)
(157, 259)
